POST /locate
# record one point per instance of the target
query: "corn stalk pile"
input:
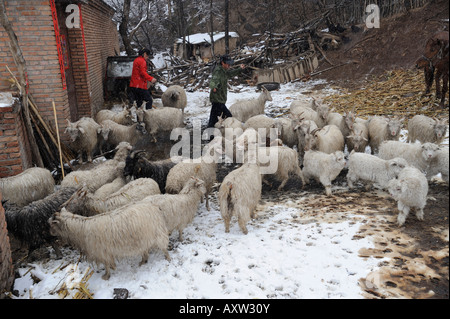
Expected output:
(395, 93)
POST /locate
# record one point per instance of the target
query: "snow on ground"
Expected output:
(285, 254)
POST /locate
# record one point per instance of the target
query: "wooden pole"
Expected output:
(59, 141)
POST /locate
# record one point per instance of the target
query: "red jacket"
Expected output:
(139, 76)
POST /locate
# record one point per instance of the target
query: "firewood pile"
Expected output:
(262, 52)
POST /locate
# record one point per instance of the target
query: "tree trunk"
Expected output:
(123, 28)
(19, 60)
(227, 26)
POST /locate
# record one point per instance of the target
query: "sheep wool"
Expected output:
(239, 194)
(179, 210)
(133, 230)
(29, 223)
(175, 96)
(30, 185)
(245, 109)
(410, 190)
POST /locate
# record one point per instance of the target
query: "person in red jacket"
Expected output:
(139, 78)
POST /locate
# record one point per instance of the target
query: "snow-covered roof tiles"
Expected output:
(205, 37)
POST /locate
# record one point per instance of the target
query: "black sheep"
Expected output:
(137, 166)
(30, 225)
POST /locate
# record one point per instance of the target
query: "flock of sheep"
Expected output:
(130, 204)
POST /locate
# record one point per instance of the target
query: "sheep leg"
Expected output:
(166, 255)
(57, 250)
(283, 183)
(404, 211)
(419, 214)
(207, 201)
(243, 226)
(144, 258)
(227, 220)
(107, 274)
(180, 235)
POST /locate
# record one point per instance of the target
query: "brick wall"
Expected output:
(6, 267)
(101, 41)
(14, 148)
(33, 25)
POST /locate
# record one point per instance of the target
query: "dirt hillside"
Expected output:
(398, 43)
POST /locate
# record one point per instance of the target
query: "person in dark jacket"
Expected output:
(138, 85)
(219, 89)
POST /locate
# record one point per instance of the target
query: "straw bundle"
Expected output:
(397, 92)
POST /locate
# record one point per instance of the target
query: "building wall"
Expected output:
(33, 24)
(6, 266)
(102, 40)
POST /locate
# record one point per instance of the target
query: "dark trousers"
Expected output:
(218, 110)
(140, 95)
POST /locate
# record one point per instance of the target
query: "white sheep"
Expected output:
(204, 168)
(245, 109)
(372, 169)
(262, 123)
(179, 210)
(287, 130)
(129, 231)
(160, 120)
(440, 165)
(101, 174)
(320, 116)
(410, 190)
(114, 133)
(229, 123)
(383, 129)
(358, 138)
(426, 129)
(417, 155)
(32, 184)
(123, 117)
(323, 167)
(285, 159)
(239, 194)
(87, 204)
(328, 140)
(84, 137)
(110, 188)
(175, 96)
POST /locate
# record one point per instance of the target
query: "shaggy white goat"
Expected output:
(239, 194)
(323, 167)
(101, 174)
(372, 169)
(175, 96)
(319, 116)
(328, 140)
(245, 109)
(262, 123)
(383, 129)
(229, 123)
(419, 156)
(123, 117)
(160, 120)
(84, 137)
(204, 168)
(179, 210)
(358, 139)
(410, 190)
(426, 129)
(30, 185)
(440, 164)
(287, 163)
(129, 231)
(87, 204)
(114, 133)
